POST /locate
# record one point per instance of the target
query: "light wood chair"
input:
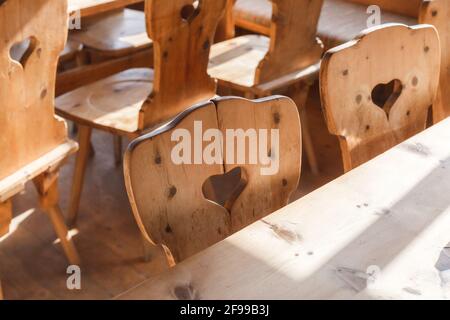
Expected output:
(343, 20)
(185, 208)
(33, 141)
(113, 34)
(287, 62)
(134, 100)
(375, 96)
(437, 13)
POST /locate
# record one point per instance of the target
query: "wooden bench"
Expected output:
(342, 20)
(135, 100)
(373, 103)
(34, 142)
(286, 63)
(381, 231)
(186, 206)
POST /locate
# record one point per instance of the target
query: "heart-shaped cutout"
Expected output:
(386, 95)
(190, 11)
(21, 51)
(225, 189)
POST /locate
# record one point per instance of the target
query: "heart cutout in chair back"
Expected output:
(21, 51)
(386, 95)
(190, 11)
(225, 189)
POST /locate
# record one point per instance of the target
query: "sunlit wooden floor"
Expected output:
(32, 265)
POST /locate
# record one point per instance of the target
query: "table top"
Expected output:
(379, 231)
(93, 7)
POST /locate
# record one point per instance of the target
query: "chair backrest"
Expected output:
(32, 34)
(377, 89)
(293, 39)
(437, 13)
(182, 32)
(404, 7)
(188, 205)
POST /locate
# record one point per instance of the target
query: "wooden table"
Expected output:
(380, 231)
(93, 7)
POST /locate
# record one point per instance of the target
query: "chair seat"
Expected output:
(115, 33)
(14, 183)
(112, 103)
(235, 61)
(340, 21)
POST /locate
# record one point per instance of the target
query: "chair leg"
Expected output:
(5, 216)
(117, 149)
(1, 291)
(147, 250)
(47, 187)
(300, 95)
(84, 140)
(307, 141)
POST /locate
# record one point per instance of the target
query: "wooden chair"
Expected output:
(113, 34)
(375, 96)
(187, 207)
(437, 13)
(340, 20)
(258, 66)
(33, 141)
(343, 20)
(134, 100)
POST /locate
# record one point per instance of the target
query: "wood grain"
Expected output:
(387, 239)
(350, 73)
(176, 214)
(437, 13)
(29, 126)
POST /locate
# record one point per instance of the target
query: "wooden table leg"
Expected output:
(47, 187)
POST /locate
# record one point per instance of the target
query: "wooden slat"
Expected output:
(389, 218)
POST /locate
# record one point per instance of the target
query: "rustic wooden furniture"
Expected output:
(34, 143)
(187, 207)
(258, 66)
(340, 20)
(131, 101)
(376, 96)
(95, 7)
(437, 13)
(114, 34)
(343, 20)
(380, 231)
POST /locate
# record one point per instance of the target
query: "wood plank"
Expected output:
(388, 220)
(95, 7)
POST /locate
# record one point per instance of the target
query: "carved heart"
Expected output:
(386, 95)
(190, 11)
(225, 189)
(21, 51)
